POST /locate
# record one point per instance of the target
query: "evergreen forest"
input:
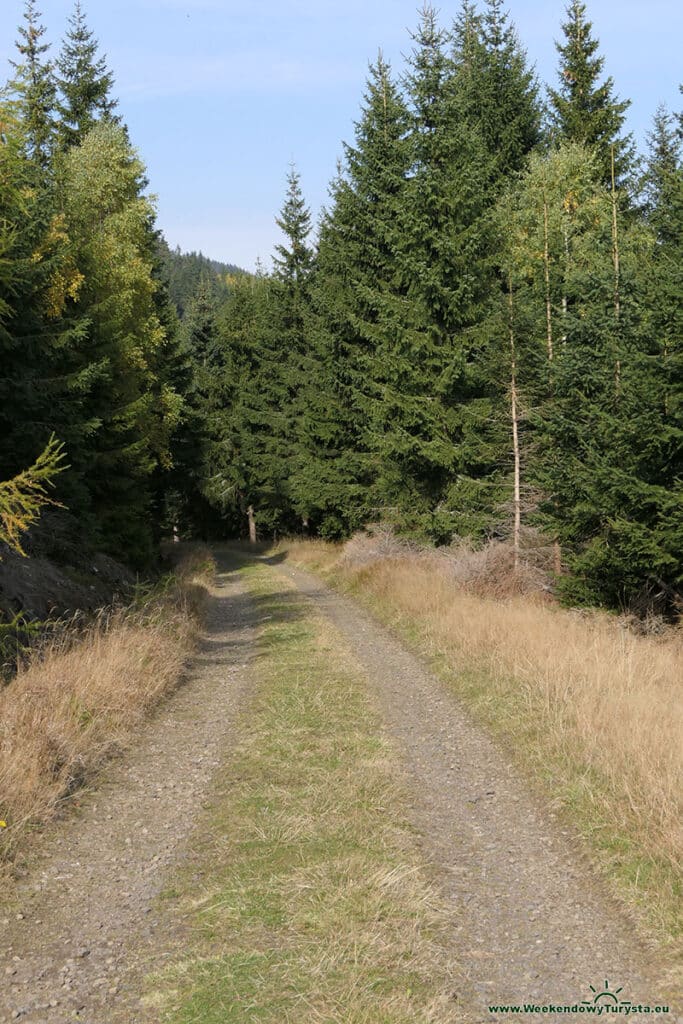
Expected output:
(482, 338)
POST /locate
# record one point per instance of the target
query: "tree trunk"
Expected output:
(565, 238)
(557, 557)
(617, 281)
(252, 525)
(557, 553)
(546, 268)
(615, 245)
(515, 435)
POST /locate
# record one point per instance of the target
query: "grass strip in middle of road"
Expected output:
(313, 904)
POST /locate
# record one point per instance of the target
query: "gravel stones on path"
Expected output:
(82, 932)
(531, 922)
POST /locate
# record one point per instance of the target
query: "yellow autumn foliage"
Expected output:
(24, 496)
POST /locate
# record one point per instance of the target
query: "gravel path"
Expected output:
(531, 923)
(84, 930)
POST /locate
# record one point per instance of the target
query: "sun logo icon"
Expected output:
(606, 997)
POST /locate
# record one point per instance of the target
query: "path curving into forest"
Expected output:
(528, 922)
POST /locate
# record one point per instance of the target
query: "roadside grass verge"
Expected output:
(81, 695)
(313, 904)
(592, 710)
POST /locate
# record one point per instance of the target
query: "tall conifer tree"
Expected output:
(584, 109)
(201, 375)
(253, 433)
(287, 347)
(35, 86)
(434, 441)
(357, 300)
(593, 381)
(294, 258)
(496, 91)
(109, 222)
(243, 478)
(660, 373)
(42, 382)
(84, 81)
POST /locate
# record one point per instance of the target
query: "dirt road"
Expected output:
(529, 923)
(82, 931)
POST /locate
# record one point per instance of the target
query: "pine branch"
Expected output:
(24, 496)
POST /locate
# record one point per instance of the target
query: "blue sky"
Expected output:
(222, 96)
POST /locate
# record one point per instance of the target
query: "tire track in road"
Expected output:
(84, 930)
(531, 922)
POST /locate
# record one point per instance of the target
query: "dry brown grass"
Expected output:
(81, 696)
(593, 707)
(488, 571)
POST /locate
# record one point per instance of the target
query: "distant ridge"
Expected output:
(183, 272)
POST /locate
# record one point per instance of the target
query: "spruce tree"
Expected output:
(252, 413)
(293, 260)
(496, 91)
(661, 366)
(595, 376)
(415, 448)
(287, 346)
(43, 382)
(35, 86)
(354, 295)
(201, 376)
(604, 444)
(432, 425)
(584, 109)
(496, 94)
(22, 282)
(662, 177)
(241, 467)
(84, 81)
(280, 363)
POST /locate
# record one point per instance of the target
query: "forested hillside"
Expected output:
(183, 273)
(484, 336)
